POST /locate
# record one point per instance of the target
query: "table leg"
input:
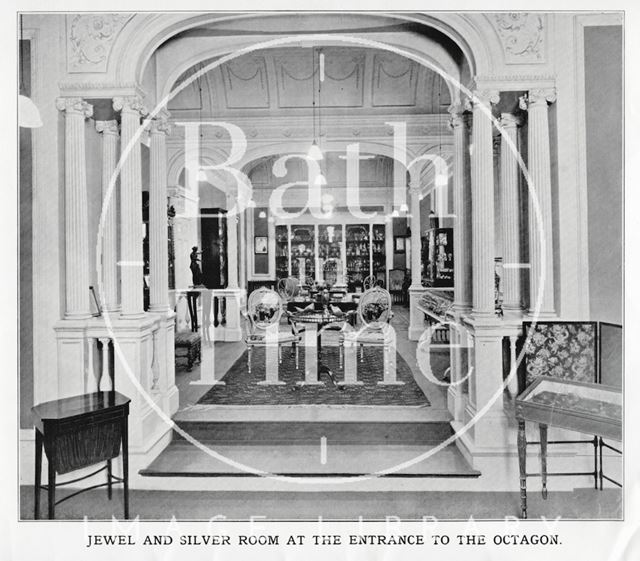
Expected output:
(543, 458)
(109, 483)
(51, 486)
(522, 462)
(38, 480)
(125, 465)
(601, 470)
(595, 462)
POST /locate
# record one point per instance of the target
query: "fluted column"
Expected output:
(540, 218)
(110, 133)
(510, 205)
(131, 263)
(159, 128)
(242, 265)
(76, 222)
(232, 242)
(414, 201)
(482, 188)
(461, 207)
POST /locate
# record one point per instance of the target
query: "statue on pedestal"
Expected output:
(196, 272)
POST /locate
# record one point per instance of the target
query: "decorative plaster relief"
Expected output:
(90, 38)
(522, 35)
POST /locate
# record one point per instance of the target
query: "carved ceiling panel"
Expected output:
(295, 79)
(343, 84)
(394, 80)
(284, 79)
(246, 83)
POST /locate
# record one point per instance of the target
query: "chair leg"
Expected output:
(297, 351)
(279, 354)
(361, 353)
(249, 360)
(341, 354)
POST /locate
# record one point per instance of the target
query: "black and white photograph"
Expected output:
(298, 283)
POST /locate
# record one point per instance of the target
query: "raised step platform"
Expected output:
(310, 433)
(321, 448)
(183, 459)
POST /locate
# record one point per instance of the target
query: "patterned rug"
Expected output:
(242, 388)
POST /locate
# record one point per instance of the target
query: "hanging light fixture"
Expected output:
(404, 207)
(320, 180)
(28, 113)
(202, 175)
(314, 151)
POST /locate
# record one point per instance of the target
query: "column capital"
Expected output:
(509, 120)
(456, 112)
(130, 104)
(482, 97)
(160, 124)
(75, 105)
(108, 127)
(537, 97)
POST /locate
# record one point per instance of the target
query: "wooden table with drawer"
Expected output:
(78, 432)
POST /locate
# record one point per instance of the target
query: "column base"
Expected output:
(133, 316)
(77, 315)
(461, 308)
(483, 314)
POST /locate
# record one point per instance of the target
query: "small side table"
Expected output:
(78, 432)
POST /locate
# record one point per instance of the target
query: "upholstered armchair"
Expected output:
(263, 313)
(374, 329)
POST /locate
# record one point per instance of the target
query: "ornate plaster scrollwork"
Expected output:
(133, 104)
(537, 97)
(74, 105)
(90, 37)
(522, 35)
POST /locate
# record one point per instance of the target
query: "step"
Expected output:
(296, 433)
(183, 459)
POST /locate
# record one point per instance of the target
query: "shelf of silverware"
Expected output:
(378, 260)
(303, 246)
(358, 255)
(282, 251)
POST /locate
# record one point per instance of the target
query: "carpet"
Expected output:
(242, 388)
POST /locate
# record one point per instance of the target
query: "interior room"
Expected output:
(321, 264)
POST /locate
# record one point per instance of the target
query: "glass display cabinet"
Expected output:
(577, 406)
(283, 252)
(303, 251)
